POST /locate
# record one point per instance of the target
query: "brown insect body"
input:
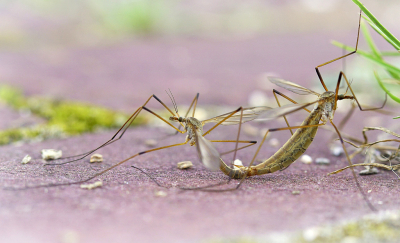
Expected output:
(295, 146)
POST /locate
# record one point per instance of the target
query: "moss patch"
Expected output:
(63, 117)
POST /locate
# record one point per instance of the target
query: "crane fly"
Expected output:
(324, 109)
(192, 126)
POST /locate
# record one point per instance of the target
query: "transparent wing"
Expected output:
(249, 114)
(283, 110)
(291, 86)
(209, 156)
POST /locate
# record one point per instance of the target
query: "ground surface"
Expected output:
(130, 206)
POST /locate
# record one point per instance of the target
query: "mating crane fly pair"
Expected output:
(324, 108)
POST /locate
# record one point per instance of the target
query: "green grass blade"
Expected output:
(395, 98)
(381, 33)
(384, 31)
(390, 53)
(365, 54)
(370, 41)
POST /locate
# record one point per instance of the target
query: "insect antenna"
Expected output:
(173, 101)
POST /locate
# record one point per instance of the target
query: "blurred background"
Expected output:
(117, 53)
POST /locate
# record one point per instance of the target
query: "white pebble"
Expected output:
(160, 194)
(322, 161)
(150, 142)
(92, 186)
(306, 159)
(96, 158)
(49, 154)
(26, 159)
(369, 171)
(184, 165)
(336, 150)
(274, 142)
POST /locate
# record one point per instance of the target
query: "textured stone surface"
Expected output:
(129, 206)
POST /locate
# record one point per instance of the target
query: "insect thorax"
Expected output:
(192, 125)
(327, 104)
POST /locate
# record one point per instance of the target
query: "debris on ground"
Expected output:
(26, 159)
(369, 171)
(322, 161)
(50, 154)
(150, 142)
(92, 186)
(184, 165)
(306, 159)
(96, 158)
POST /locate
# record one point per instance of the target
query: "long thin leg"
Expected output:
(123, 129)
(275, 92)
(101, 172)
(352, 170)
(220, 122)
(348, 54)
(194, 102)
(113, 139)
(354, 96)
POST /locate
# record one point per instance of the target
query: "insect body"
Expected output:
(299, 141)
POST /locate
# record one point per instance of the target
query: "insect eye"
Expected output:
(180, 119)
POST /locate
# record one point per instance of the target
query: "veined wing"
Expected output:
(291, 86)
(249, 114)
(283, 110)
(209, 156)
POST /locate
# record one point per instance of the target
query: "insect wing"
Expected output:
(295, 88)
(283, 110)
(209, 156)
(249, 114)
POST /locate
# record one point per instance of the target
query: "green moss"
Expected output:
(63, 117)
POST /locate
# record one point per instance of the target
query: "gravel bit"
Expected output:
(96, 158)
(322, 161)
(306, 159)
(92, 186)
(150, 142)
(160, 194)
(26, 159)
(336, 150)
(369, 171)
(184, 165)
(49, 154)
(296, 192)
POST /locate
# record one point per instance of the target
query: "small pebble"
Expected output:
(160, 194)
(26, 159)
(92, 186)
(274, 142)
(49, 154)
(150, 142)
(184, 165)
(369, 171)
(250, 130)
(296, 192)
(322, 161)
(96, 158)
(380, 202)
(369, 191)
(306, 159)
(336, 150)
